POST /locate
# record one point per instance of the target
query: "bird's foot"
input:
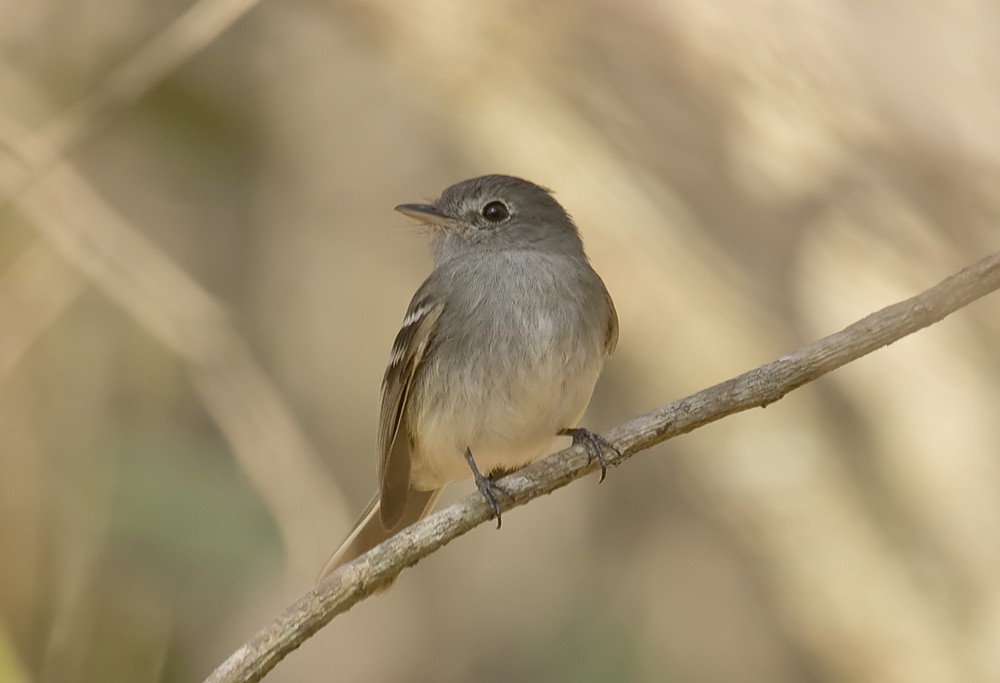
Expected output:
(487, 487)
(595, 445)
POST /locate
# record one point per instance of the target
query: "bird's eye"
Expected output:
(495, 212)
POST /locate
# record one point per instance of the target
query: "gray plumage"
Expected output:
(499, 350)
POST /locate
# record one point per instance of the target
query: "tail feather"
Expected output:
(368, 531)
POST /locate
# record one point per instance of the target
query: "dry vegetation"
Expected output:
(200, 277)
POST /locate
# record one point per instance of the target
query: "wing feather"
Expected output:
(611, 336)
(408, 351)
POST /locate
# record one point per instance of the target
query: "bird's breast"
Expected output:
(503, 389)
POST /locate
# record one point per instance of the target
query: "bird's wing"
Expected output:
(408, 351)
(611, 335)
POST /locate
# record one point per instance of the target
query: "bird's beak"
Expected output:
(427, 214)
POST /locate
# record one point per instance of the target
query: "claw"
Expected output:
(486, 487)
(594, 444)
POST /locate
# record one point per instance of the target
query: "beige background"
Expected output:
(195, 311)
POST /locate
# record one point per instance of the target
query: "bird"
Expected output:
(497, 356)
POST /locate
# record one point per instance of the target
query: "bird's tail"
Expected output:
(368, 531)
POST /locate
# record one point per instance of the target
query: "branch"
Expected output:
(196, 28)
(95, 238)
(759, 387)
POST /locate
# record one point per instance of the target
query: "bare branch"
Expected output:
(196, 28)
(89, 233)
(759, 387)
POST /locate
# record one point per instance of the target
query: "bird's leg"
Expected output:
(595, 445)
(486, 486)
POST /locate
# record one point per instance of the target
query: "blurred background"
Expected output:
(201, 276)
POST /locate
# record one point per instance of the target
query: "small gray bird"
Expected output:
(497, 356)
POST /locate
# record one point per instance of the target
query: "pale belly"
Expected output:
(505, 429)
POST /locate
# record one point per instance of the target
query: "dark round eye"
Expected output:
(495, 212)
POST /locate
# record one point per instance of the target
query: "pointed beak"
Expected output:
(427, 214)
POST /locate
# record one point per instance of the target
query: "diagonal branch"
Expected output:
(759, 387)
(93, 236)
(196, 28)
